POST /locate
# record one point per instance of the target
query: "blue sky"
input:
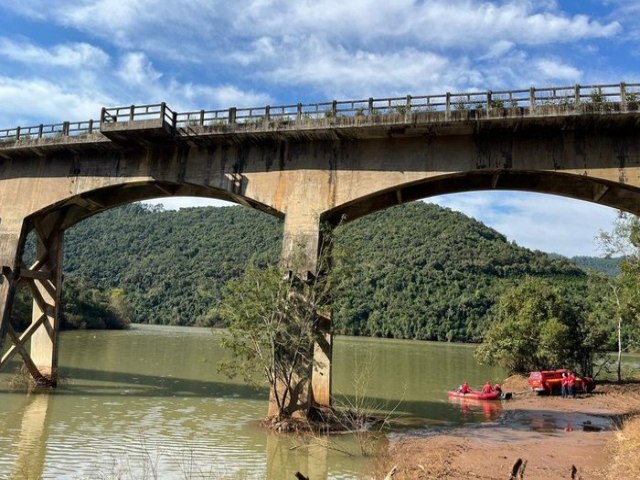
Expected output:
(62, 60)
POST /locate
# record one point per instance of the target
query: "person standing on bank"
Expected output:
(564, 383)
(571, 382)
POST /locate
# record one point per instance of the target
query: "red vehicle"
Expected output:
(550, 381)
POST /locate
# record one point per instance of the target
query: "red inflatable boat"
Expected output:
(476, 395)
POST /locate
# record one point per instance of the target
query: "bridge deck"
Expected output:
(343, 119)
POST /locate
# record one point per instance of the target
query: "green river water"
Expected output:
(149, 403)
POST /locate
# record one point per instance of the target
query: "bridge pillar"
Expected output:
(11, 242)
(304, 255)
(43, 279)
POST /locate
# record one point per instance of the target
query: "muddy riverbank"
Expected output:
(552, 435)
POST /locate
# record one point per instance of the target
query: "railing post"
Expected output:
(577, 98)
(163, 111)
(334, 109)
(532, 99)
(132, 112)
(267, 113)
(40, 130)
(91, 126)
(623, 96)
(299, 112)
(65, 129)
(17, 133)
(103, 119)
(447, 106)
(370, 106)
(232, 115)
(489, 93)
(174, 120)
(202, 118)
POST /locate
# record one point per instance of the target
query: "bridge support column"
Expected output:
(11, 244)
(43, 279)
(305, 253)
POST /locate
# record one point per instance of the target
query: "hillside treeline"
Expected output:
(414, 271)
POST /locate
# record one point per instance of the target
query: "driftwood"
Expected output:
(518, 469)
(574, 472)
(391, 473)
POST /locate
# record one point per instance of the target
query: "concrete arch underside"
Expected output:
(578, 187)
(69, 211)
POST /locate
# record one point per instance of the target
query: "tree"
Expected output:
(271, 332)
(538, 326)
(623, 289)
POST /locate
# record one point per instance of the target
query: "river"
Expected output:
(149, 403)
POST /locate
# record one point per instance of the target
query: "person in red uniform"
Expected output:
(497, 388)
(565, 385)
(571, 383)
(465, 388)
(487, 387)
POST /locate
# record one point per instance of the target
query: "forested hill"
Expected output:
(610, 266)
(419, 271)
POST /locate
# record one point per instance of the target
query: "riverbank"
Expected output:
(594, 433)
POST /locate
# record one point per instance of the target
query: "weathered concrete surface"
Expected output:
(311, 175)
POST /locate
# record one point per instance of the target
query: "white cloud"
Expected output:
(498, 50)
(554, 69)
(26, 99)
(160, 26)
(450, 23)
(176, 203)
(537, 221)
(223, 96)
(338, 70)
(136, 69)
(69, 55)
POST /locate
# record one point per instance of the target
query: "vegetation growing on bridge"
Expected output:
(271, 333)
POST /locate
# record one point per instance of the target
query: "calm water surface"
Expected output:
(149, 403)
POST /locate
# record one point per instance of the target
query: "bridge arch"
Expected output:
(579, 187)
(44, 277)
(75, 208)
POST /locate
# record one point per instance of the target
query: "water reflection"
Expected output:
(32, 443)
(295, 454)
(471, 407)
(151, 400)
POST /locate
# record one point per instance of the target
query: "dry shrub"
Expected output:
(422, 458)
(516, 384)
(625, 449)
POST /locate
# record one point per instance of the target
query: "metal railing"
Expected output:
(603, 96)
(54, 130)
(136, 113)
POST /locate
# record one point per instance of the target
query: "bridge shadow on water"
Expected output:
(79, 381)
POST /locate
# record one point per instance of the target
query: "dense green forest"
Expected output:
(83, 306)
(429, 273)
(416, 270)
(610, 266)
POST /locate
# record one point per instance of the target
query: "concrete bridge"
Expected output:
(311, 164)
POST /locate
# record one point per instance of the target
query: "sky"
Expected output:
(63, 60)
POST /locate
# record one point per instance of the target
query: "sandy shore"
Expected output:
(552, 435)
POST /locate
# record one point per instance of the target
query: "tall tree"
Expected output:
(272, 331)
(535, 326)
(624, 289)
